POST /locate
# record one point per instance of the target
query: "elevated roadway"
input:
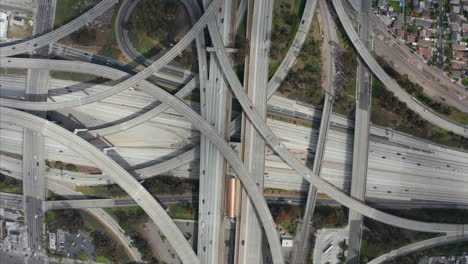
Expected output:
(276, 147)
(34, 190)
(421, 245)
(126, 181)
(43, 40)
(301, 169)
(438, 167)
(390, 83)
(361, 137)
(166, 77)
(259, 25)
(301, 251)
(11, 200)
(323, 185)
(125, 84)
(426, 169)
(215, 103)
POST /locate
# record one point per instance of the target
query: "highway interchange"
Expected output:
(141, 196)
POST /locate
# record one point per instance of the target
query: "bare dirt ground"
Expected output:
(19, 32)
(325, 54)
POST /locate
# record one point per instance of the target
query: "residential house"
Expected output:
(458, 47)
(454, 28)
(422, 23)
(410, 38)
(426, 13)
(400, 33)
(455, 9)
(457, 73)
(457, 65)
(454, 18)
(455, 36)
(424, 43)
(425, 52)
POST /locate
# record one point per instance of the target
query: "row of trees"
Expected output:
(414, 89)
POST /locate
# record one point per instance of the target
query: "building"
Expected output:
(457, 74)
(454, 28)
(454, 18)
(422, 23)
(457, 65)
(52, 241)
(18, 21)
(411, 38)
(455, 9)
(425, 52)
(424, 43)
(455, 36)
(287, 242)
(3, 25)
(61, 238)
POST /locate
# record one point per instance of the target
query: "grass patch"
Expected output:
(396, 6)
(10, 185)
(184, 210)
(465, 81)
(102, 259)
(376, 240)
(67, 10)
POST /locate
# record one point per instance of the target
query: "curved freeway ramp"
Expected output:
(391, 84)
(301, 169)
(121, 177)
(35, 43)
(425, 244)
(198, 122)
(323, 185)
(141, 76)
